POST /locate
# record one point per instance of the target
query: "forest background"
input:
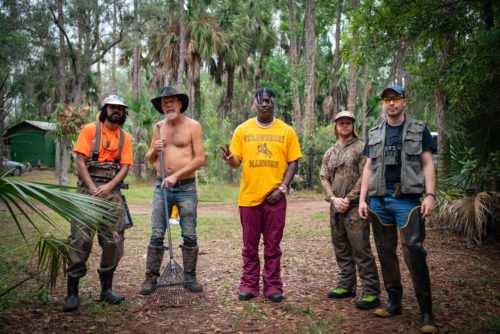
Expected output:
(320, 57)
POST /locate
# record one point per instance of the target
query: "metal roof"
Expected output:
(42, 125)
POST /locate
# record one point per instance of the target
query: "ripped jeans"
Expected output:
(184, 196)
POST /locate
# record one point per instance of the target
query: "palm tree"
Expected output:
(20, 199)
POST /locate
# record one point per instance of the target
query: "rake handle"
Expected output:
(165, 201)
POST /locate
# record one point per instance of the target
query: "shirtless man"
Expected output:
(181, 142)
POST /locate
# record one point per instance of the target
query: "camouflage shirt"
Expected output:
(341, 170)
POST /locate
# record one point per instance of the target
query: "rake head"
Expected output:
(170, 289)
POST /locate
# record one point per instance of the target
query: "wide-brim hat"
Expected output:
(114, 100)
(345, 113)
(398, 89)
(170, 91)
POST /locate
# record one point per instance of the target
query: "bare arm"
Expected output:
(430, 183)
(229, 157)
(152, 153)
(275, 195)
(365, 180)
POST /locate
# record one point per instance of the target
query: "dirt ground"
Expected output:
(465, 280)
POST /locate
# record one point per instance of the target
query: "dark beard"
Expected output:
(113, 120)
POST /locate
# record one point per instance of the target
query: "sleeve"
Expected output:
(366, 150)
(236, 145)
(428, 143)
(323, 172)
(84, 141)
(127, 152)
(294, 152)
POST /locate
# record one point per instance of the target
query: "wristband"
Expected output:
(283, 188)
(430, 194)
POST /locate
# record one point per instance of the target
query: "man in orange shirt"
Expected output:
(104, 154)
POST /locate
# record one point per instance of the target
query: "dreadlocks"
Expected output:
(259, 93)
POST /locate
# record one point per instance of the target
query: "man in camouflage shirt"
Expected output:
(340, 176)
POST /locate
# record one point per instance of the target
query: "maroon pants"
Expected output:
(268, 220)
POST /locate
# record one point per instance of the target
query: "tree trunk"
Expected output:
(57, 158)
(228, 97)
(353, 67)
(441, 100)
(488, 16)
(336, 63)
(62, 62)
(135, 91)
(309, 88)
(114, 88)
(182, 48)
(135, 60)
(294, 60)
(366, 92)
(65, 162)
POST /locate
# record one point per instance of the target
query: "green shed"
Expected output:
(33, 142)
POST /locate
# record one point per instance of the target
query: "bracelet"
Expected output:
(283, 188)
(430, 194)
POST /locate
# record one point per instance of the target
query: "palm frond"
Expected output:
(469, 216)
(21, 197)
(52, 257)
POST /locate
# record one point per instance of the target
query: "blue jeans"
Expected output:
(185, 198)
(394, 211)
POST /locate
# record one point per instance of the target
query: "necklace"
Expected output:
(108, 139)
(264, 126)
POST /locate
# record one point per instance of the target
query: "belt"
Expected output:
(180, 182)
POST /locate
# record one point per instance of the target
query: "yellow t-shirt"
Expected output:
(264, 155)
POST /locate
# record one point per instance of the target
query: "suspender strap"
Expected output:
(96, 143)
(120, 147)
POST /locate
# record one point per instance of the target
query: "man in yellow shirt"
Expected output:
(269, 151)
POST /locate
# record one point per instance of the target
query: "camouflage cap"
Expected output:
(345, 113)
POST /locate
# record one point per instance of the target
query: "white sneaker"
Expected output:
(173, 221)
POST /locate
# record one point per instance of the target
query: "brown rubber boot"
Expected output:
(190, 258)
(153, 263)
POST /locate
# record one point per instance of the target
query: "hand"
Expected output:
(274, 196)
(341, 205)
(226, 153)
(102, 191)
(427, 206)
(159, 145)
(363, 209)
(169, 181)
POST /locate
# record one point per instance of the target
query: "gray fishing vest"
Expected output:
(412, 176)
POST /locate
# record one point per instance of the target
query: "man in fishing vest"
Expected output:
(103, 156)
(398, 170)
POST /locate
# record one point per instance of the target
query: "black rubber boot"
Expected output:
(153, 263)
(72, 302)
(386, 240)
(413, 236)
(190, 259)
(393, 306)
(107, 294)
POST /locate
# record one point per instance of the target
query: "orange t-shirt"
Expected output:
(107, 152)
